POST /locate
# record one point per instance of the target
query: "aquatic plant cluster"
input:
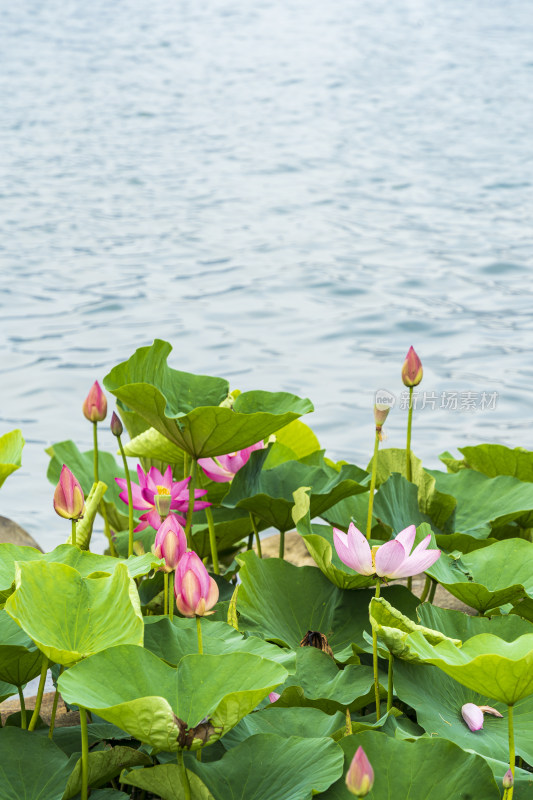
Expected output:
(201, 670)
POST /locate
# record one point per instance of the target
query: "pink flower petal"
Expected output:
(416, 563)
(473, 716)
(353, 553)
(389, 557)
(213, 471)
(407, 538)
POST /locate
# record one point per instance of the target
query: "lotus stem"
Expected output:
(22, 708)
(185, 464)
(348, 731)
(425, 591)
(95, 450)
(185, 777)
(282, 544)
(54, 708)
(409, 471)
(165, 590)
(171, 597)
(107, 530)
(199, 632)
(250, 541)
(39, 698)
(372, 486)
(256, 534)
(84, 754)
(511, 749)
(433, 590)
(130, 501)
(74, 521)
(192, 486)
(389, 683)
(375, 658)
(212, 534)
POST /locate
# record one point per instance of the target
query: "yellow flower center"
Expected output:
(374, 551)
(162, 490)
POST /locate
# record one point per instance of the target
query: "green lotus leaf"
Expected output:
(152, 445)
(171, 641)
(396, 505)
(109, 794)
(394, 629)
(496, 459)
(270, 767)
(69, 738)
(165, 781)
(483, 502)
(70, 617)
(6, 690)
(103, 766)
(31, 766)
(426, 769)
(268, 493)
(299, 438)
(307, 723)
(11, 445)
(500, 670)
(281, 602)
(20, 659)
(143, 695)
(82, 465)
(437, 699)
(457, 624)
(187, 408)
(232, 525)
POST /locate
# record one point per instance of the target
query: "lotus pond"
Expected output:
(202, 671)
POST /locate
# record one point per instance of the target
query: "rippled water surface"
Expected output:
(292, 193)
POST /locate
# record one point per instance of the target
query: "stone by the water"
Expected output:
(12, 532)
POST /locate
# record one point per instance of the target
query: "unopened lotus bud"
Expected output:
(162, 504)
(412, 371)
(360, 776)
(69, 502)
(95, 404)
(116, 426)
(170, 543)
(508, 780)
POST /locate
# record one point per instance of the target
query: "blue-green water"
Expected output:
(290, 192)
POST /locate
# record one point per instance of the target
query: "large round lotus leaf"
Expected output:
(396, 504)
(31, 766)
(70, 617)
(166, 782)
(458, 625)
(500, 670)
(103, 765)
(270, 767)
(427, 769)
(494, 460)
(143, 695)
(11, 445)
(6, 690)
(232, 525)
(438, 699)
(492, 576)
(20, 658)
(268, 493)
(186, 408)
(307, 723)
(281, 602)
(173, 640)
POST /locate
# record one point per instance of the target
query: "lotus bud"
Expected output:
(412, 371)
(162, 504)
(117, 429)
(508, 780)
(473, 716)
(170, 543)
(360, 776)
(273, 696)
(95, 404)
(381, 412)
(69, 502)
(196, 592)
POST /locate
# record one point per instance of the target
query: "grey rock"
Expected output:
(13, 533)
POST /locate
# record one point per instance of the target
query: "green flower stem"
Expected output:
(107, 530)
(185, 777)
(192, 486)
(212, 535)
(84, 754)
(171, 596)
(22, 709)
(375, 659)
(409, 471)
(199, 632)
(425, 591)
(165, 589)
(95, 450)
(389, 683)
(372, 486)
(250, 541)
(185, 465)
(282, 544)
(130, 501)
(74, 531)
(54, 707)
(348, 731)
(511, 748)
(256, 534)
(434, 585)
(39, 698)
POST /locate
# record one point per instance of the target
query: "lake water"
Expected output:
(292, 193)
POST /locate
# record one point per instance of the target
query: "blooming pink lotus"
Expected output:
(196, 592)
(170, 543)
(223, 468)
(152, 484)
(69, 502)
(95, 404)
(360, 775)
(473, 715)
(390, 560)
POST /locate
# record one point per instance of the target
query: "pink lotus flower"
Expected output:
(412, 371)
(170, 543)
(273, 697)
(196, 592)
(223, 468)
(473, 715)
(152, 484)
(69, 502)
(95, 404)
(360, 776)
(390, 560)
